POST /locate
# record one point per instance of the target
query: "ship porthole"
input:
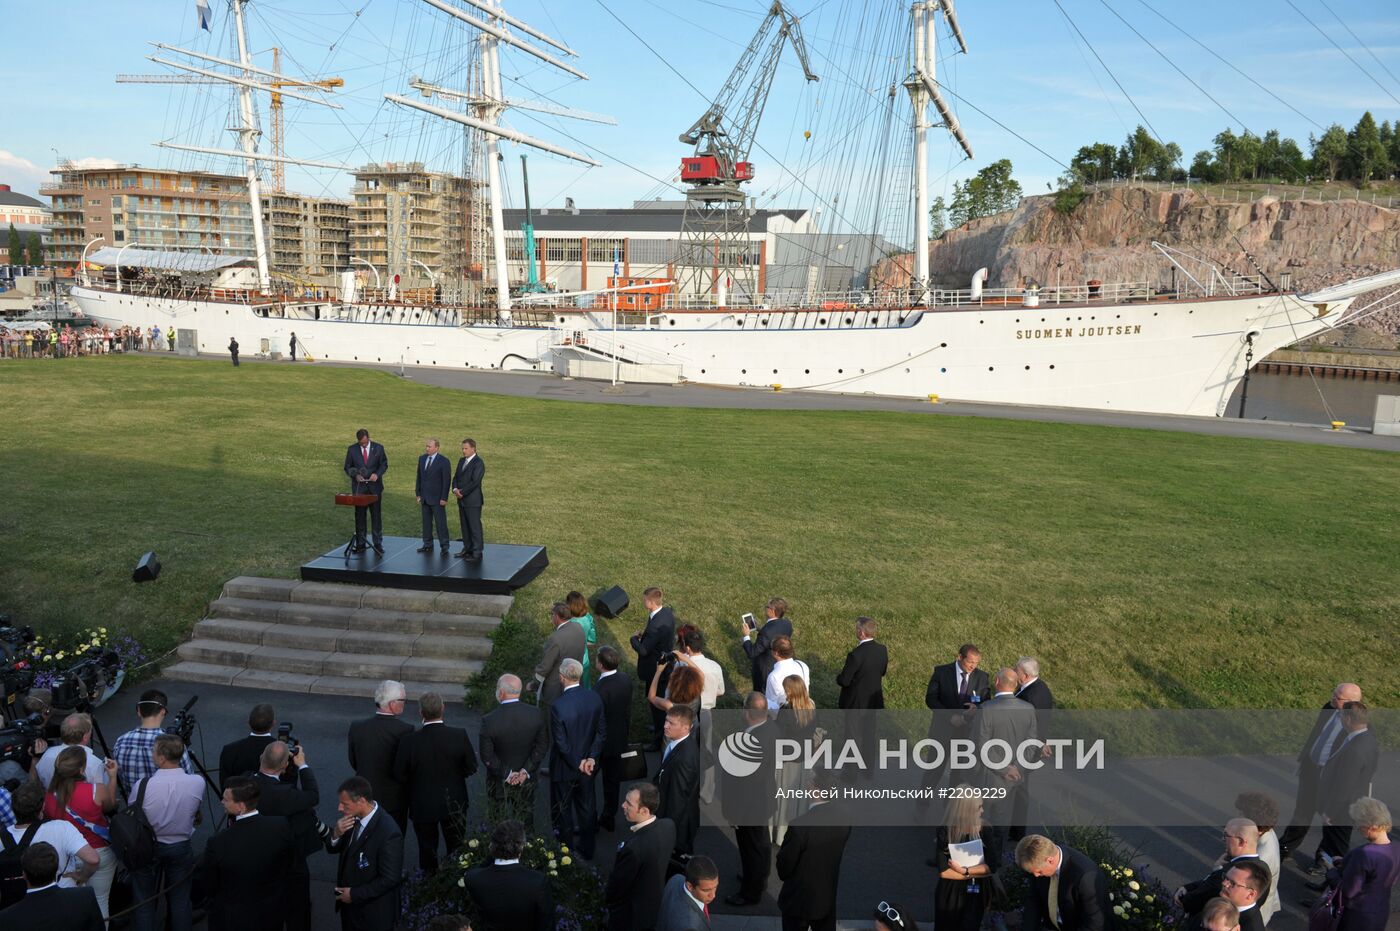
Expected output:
(849, 321)
(822, 321)
(906, 371)
(775, 371)
(806, 371)
(673, 323)
(743, 371)
(1052, 367)
(942, 345)
(840, 371)
(991, 368)
(357, 358)
(943, 371)
(1028, 368)
(741, 323)
(702, 371)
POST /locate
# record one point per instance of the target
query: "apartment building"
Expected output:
(154, 208)
(307, 236)
(413, 223)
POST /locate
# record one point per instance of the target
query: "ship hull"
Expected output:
(1176, 357)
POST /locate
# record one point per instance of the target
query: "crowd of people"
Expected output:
(67, 341)
(253, 873)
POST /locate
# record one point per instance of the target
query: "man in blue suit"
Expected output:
(431, 490)
(366, 463)
(577, 732)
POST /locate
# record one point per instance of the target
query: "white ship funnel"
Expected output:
(347, 286)
(979, 278)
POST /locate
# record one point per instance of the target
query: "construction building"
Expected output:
(308, 236)
(154, 208)
(412, 223)
(577, 249)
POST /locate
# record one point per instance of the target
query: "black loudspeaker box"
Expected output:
(611, 602)
(148, 569)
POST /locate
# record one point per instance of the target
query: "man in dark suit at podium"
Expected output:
(365, 464)
(466, 486)
(430, 489)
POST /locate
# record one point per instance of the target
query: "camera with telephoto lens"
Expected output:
(82, 685)
(182, 725)
(284, 734)
(12, 639)
(17, 739)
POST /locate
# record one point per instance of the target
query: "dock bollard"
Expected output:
(1338, 424)
(933, 399)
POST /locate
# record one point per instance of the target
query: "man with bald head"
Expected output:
(1241, 837)
(295, 800)
(513, 742)
(1327, 735)
(1005, 717)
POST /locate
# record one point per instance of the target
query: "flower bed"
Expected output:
(577, 888)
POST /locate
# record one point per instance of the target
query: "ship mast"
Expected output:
(248, 141)
(491, 103)
(922, 85)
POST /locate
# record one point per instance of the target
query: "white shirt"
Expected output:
(1269, 853)
(641, 824)
(781, 670)
(714, 679)
(93, 769)
(67, 840)
(610, 672)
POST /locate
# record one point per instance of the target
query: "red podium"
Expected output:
(356, 545)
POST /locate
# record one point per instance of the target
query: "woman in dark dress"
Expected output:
(963, 891)
(1368, 872)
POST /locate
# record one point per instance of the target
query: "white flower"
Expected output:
(1134, 885)
(1118, 910)
(565, 861)
(1127, 872)
(1110, 896)
(462, 882)
(553, 873)
(552, 864)
(473, 843)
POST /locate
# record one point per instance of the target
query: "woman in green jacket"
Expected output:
(578, 607)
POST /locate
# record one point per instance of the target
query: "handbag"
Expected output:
(1326, 914)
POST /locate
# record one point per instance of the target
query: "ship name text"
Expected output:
(1084, 331)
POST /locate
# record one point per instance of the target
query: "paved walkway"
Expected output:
(552, 387)
(880, 863)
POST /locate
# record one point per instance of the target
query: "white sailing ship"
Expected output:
(1125, 346)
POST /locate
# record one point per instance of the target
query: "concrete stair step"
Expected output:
(318, 662)
(186, 671)
(330, 640)
(247, 586)
(355, 619)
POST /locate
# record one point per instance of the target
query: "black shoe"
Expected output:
(475, 557)
(425, 548)
(464, 555)
(739, 901)
(379, 548)
(446, 551)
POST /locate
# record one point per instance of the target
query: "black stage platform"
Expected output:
(502, 569)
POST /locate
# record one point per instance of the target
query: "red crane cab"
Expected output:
(706, 169)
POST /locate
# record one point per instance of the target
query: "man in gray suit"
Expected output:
(685, 903)
(566, 642)
(1006, 718)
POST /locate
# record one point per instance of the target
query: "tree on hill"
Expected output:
(1142, 156)
(991, 191)
(36, 249)
(1203, 166)
(937, 218)
(1329, 152)
(1094, 162)
(16, 247)
(1281, 158)
(1366, 156)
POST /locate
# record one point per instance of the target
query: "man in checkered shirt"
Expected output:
(133, 749)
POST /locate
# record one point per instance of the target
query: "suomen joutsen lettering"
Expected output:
(1084, 331)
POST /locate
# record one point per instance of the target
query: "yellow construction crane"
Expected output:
(279, 169)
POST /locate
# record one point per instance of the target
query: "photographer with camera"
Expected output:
(76, 731)
(242, 757)
(296, 801)
(21, 743)
(134, 750)
(170, 800)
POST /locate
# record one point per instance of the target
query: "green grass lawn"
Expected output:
(1145, 569)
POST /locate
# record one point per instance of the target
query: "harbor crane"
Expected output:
(715, 253)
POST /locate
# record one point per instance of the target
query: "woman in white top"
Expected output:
(1261, 808)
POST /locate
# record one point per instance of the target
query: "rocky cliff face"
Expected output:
(1109, 237)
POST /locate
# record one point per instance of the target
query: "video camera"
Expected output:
(83, 684)
(182, 725)
(12, 639)
(17, 738)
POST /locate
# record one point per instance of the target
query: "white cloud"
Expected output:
(20, 173)
(91, 162)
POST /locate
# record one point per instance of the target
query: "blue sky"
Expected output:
(1026, 68)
